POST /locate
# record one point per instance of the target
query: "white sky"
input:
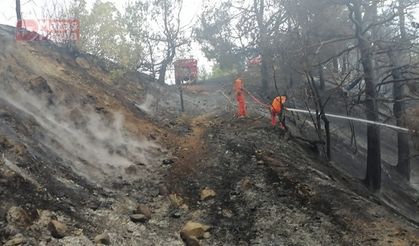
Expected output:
(32, 9)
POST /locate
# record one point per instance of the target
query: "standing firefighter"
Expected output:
(239, 90)
(277, 107)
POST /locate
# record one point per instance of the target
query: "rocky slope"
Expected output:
(92, 156)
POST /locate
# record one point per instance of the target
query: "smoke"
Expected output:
(146, 106)
(95, 145)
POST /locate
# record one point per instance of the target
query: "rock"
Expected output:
(242, 243)
(168, 162)
(191, 241)
(57, 229)
(40, 85)
(260, 162)
(176, 200)
(227, 213)
(18, 216)
(141, 218)
(163, 191)
(144, 210)
(82, 62)
(176, 214)
(5, 143)
(207, 235)
(207, 193)
(131, 170)
(184, 207)
(246, 183)
(18, 239)
(193, 229)
(102, 239)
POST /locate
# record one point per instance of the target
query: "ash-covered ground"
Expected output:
(89, 157)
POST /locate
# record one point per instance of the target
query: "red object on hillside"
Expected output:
(241, 102)
(255, 61)
(186, 70)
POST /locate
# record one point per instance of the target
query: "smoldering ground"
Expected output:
(95, 144)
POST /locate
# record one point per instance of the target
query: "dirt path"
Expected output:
(190, 151)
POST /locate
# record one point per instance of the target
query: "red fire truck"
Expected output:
(186, 70)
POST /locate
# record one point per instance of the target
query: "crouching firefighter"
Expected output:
(277, 107)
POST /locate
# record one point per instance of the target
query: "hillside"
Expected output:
(89, 155)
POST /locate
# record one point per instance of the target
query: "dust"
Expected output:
(95, 145)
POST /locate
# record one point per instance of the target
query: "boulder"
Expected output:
(246, 183)
(176, 200)
(18, 216)
(168, 162)
(18, 239)
(141, 218)
(193, 229)
(144, 210)
(57, 229)
(131, 170)
(163, 191)
(40, 85)
(102, 239)
(191, 241)
(207, 193)
(207, 235)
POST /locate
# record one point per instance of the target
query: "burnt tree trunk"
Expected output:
(321, 78)
(182, 107)
(18, 11)
(344, 64)
(320, 115)
(373, 175)
(403, 151)
(399, 94)
(259, 7)
(335, 65)
(170, 54)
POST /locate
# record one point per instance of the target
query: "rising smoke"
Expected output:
(96, 145)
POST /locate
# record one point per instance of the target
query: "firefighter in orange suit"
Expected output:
(277, 107)
(239, 90)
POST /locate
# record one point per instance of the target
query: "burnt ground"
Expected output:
(84, 146)
(269, 193)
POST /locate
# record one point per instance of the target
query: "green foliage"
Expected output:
(214, 35)
(218, 71)
(156, 25)
(103, 33)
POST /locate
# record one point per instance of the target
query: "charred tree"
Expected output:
(403, 151)
(373, 174)
(259, 7)
(171, 35)
(320, 114)
(18, 11)
(399, 94)
(321, 78)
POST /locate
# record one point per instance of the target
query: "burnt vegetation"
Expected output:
(122, 137)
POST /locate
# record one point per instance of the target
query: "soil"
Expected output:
(84, 148)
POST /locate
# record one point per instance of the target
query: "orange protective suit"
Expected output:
(238, 88)
(277, 106)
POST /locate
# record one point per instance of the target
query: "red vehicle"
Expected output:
(186, 70)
